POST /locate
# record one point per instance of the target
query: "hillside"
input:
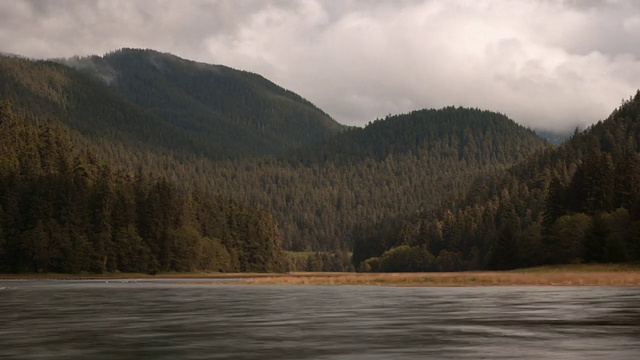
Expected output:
(394, 166)
(84, 106)
(64, 210)
(571, 204)
(240, 112)
(186, 109)
(131, 109)
(466, 135)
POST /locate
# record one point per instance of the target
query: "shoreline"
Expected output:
(485, 278)
(565, 275)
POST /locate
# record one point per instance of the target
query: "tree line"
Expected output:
(63, 209)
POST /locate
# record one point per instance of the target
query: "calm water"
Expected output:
(164, 319)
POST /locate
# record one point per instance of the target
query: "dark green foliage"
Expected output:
(406, 259)
(338, 261)
(575, 203)
(190, 124)
(392, 167)
(469, 137)
(565, 242)
(64, 210)
(220, 112)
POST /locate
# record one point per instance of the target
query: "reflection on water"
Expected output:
(167, 319)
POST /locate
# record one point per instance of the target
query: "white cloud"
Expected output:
(551, 64)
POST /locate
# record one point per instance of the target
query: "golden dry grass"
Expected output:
(629, 278)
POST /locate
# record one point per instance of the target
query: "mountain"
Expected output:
(465, 135)
(89, 109)
(231, 135)
(574, 203)
(398, 165)
(159, 103)
(228, 112)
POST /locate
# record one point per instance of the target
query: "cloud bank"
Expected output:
(546, 64)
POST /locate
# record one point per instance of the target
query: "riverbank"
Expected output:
(560, 275)
(563, 275)
(457, 279)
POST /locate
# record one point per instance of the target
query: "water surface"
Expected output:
(181, 319)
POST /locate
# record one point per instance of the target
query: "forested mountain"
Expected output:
(64, 210)
(149, 102)
(151, 112)
(144, 112)
(91, 111)
(471, 136)
(575, 203)
(225, 112)
(391, 167)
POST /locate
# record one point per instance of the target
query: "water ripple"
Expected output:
(163, 319)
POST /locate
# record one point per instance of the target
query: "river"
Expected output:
(181, 319)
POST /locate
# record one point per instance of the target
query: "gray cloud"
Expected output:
(547, 64)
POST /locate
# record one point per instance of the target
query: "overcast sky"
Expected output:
(546, 64)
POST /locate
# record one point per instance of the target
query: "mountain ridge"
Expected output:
(319, 193)
(216, 100)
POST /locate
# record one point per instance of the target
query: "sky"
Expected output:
(546, 64)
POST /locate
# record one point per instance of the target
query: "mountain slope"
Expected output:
(318, 194)
(463, 134)
(88, 108)
(160, 103)
(575, 203)
(242, 112)
(64, 210)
